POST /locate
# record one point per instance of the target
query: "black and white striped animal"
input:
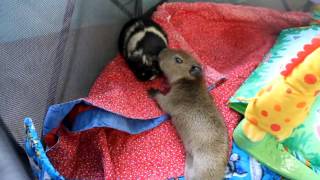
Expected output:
(140, 42)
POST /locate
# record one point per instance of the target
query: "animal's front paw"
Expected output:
(153, 92)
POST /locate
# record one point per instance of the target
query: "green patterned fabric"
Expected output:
(289, 42)
(305, 140)
(272, 154)
(302, 149)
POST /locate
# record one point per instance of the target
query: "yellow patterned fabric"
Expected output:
(284, 104)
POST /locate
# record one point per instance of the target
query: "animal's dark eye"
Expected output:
(178, 60)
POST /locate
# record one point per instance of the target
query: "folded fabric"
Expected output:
(228, 40)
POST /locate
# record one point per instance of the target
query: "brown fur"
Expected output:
(194, 115)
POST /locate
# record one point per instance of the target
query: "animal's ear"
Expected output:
(195, 71)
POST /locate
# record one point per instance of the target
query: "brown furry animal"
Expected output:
(194, 115)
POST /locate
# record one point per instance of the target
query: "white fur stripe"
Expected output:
(132, 44)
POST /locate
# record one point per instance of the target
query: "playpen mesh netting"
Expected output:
(48, 47)
(52, 51)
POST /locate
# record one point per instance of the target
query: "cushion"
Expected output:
(304, 142)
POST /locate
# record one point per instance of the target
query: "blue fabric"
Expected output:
(41, 166)
(56, 113)
(242, 166)
(97, 118)
(102, 118)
